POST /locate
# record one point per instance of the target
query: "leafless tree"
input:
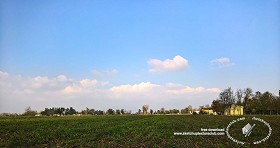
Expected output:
(189, 109)
(239, 95)
(145, 108)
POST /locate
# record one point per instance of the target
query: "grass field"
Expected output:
(126, 131)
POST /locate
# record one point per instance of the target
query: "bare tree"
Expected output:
(226, 97)
(248, 92)
(29, 112)
(239, 96)
(189, 109)
(145, 108)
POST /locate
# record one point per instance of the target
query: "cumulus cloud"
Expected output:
(17, 92)
(136, 88)
(84, 86)
(39, 81)
(178, 63)
(222, 62)
(152, 89)
(169, 95)
(178, 89)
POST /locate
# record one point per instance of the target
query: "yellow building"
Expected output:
(234, 110)
(208, 111)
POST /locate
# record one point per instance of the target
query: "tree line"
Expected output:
(253, 103)
(62, 111)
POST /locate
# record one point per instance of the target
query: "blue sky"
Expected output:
(225, 43)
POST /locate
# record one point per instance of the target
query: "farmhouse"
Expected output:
(208, 111)
(234, 110)
(195, 111)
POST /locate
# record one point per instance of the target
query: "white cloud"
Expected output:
(222, 62)
(17, 92)
(71, 89)
(169, 95)
(3, 74)
(159, 91)
(213, 90)
(180, 89)
(39, 81)
(136, 88)
(178, 63)
(84, 86)
(104, 73)
(88, 83)
(62, 78)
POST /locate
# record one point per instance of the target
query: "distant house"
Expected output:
(234, 110)
(195, 111)
(208, 111)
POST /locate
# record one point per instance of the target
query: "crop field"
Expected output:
(130, 131)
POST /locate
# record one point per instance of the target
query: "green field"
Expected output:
(126, 131)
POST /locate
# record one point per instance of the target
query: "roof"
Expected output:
(207, 108)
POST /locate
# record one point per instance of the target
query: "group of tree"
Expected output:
(88, 111)
(253, 103)
(59, 111)
(118, 112)
(170, 111)
(29, 112)
(9, 114)
(187, 110)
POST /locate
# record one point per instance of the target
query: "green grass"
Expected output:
(126, 131)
